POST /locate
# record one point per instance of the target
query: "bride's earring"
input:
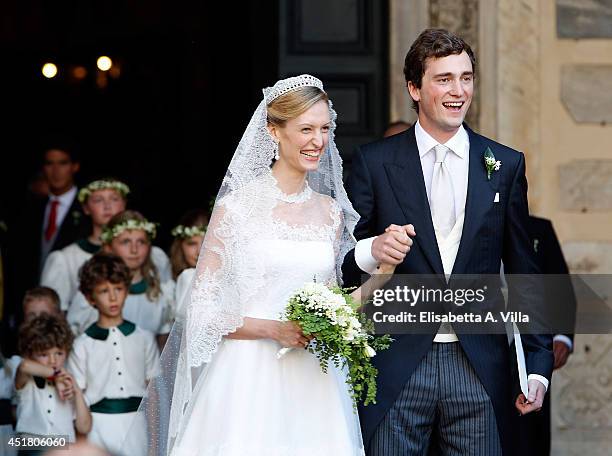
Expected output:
(276, 154)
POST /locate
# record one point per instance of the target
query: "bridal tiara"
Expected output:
(287, 85)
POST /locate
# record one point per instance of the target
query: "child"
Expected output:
(41, 300)
(47, 398)
(101, 200)
(150, 302)
(188, 236)
(114, 359)
(184, 252)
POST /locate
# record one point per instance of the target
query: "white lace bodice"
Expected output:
(286, 266)
(261, 245)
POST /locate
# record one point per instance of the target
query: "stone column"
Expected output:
(408, 18)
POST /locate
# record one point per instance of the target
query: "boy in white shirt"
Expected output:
(113, 360)
(48, 400)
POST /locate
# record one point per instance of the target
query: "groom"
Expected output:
(427, 190)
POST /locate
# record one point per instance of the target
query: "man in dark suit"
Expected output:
(535, 427)
(458, 202)
(46, 224)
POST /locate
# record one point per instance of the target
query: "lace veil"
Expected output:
(248, 199)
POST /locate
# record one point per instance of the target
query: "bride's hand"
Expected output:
(289, 334)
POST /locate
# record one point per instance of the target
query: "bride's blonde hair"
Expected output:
(294, 103)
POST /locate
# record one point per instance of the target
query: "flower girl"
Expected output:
(150, 300)
(101, 200)
(188, 236)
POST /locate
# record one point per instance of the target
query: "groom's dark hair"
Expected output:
(432, 43)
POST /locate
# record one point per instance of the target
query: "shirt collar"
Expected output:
(65, 199)
(425, 142)
(139, 287)
(99, 333)
(87, 246)
(40, 382)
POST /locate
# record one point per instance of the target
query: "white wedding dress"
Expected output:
(248, 402)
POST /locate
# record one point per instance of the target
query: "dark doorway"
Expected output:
(344, 43)
(190, 75)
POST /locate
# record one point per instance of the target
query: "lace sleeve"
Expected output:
(338, 229)
(213, 310)
(214, 306)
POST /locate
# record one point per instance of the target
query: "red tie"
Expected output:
(51, 222)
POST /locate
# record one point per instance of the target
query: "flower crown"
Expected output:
(184, 232)
(287, 85)
(108, 234)
(118, 186)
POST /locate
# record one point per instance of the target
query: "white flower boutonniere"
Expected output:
(490, 163)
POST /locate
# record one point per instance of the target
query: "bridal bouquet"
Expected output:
(342, 335)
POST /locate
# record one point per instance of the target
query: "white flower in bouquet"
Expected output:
(342, 335)
(370, 351)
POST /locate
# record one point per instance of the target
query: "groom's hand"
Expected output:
(535, 399)
(392, 246)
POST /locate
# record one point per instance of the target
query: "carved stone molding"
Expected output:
(462, 18)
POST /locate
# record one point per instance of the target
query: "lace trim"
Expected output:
(298, 197)
(308, 232)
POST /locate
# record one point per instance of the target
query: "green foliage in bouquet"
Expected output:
(343, 335)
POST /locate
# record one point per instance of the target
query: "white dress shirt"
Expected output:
(65, 201)
(458, 166)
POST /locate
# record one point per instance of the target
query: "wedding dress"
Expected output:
(248, 401)
(224, 397)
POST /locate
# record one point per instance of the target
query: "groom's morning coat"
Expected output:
(386, 186)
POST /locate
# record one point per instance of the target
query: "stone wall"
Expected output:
(545, 72)
(461, 17)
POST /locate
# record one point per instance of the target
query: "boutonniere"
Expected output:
(490, 163)
(536, 243)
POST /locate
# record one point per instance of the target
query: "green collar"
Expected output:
(96, 332)
(88, 246)
(139, 287)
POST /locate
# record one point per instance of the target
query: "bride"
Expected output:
(282, 218)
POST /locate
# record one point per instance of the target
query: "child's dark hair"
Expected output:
(103, 267)
(44, 332)
(42, 293)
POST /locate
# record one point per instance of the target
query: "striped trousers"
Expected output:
(445, 399)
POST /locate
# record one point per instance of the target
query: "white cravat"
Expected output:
(442, 193)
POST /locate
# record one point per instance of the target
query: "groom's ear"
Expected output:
(414, 91)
